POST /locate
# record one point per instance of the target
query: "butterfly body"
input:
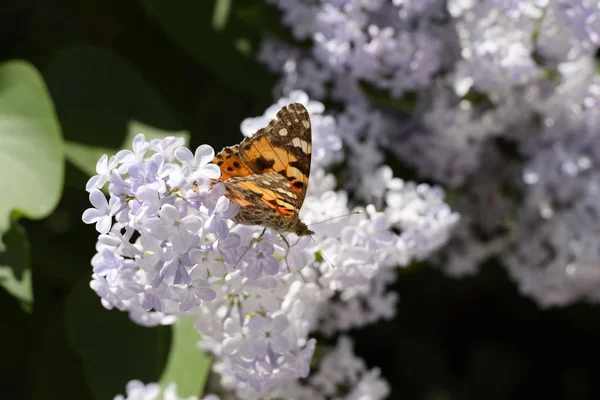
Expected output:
(267, 173)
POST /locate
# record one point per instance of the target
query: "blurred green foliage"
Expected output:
(90, 75)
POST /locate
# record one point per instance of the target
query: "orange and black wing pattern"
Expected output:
(267, 174)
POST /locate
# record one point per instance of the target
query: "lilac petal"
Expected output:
(112, 276)
(181, 276)
(211, 171)
(168, 214)
(217, 269)
(279, 323)
(254, 271)
(150, 301)
(104, 224)
(136, 171)
(125, 156)
(102, 164)
(92, 215)
(265, 248)
(95, 182)
(184, 155)
(271, 265)
(138, 143)
(192, 223)
(180, 241)
(102, 269)
(218, 190)
(146, 301)
(204, 154)
(98, 200)
(196, 255)
(279, 344)
(205, 294)
(188, 302)
(159, 230)
(232, 241)
(222, 205)
(153, 164)
(257, 324)
(229, 256)
(220, 228)
(231, 211)
(113, 205)
(258, 348)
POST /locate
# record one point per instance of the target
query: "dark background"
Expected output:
(170, 65)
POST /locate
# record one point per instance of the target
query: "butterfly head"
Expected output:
(302, 230)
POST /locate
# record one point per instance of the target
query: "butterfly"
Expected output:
(267, 174)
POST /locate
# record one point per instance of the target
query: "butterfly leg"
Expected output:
(287, 250)
(254, 240)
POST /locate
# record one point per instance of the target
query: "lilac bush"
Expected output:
(167, 251)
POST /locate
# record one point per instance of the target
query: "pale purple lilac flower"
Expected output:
(102, 212)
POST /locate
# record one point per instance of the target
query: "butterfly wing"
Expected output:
(284, 146)
(265, 199)
(230, 163)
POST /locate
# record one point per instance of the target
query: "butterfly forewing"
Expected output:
(230, 163)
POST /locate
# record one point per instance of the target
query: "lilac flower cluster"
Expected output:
(496, 99)
(168, 248)
(339, 375)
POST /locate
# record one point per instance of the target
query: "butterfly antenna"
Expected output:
(322, 252)
(339, 216)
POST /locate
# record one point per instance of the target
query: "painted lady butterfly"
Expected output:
(267, 173)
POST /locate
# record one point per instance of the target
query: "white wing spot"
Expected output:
(283, 132)
(266, 182)
(281, 190)
(306, 124)
(296, 120)
(289, 123)
(303, 144)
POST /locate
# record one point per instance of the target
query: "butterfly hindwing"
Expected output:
(264, 200)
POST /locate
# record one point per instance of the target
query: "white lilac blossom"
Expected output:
(443, 87)
(137, 390)
(168, 248)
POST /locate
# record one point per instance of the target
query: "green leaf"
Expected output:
(16, 277)
(19, 288)
(112, 349)
(187, 367)
(31, 146)
(17, 254)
